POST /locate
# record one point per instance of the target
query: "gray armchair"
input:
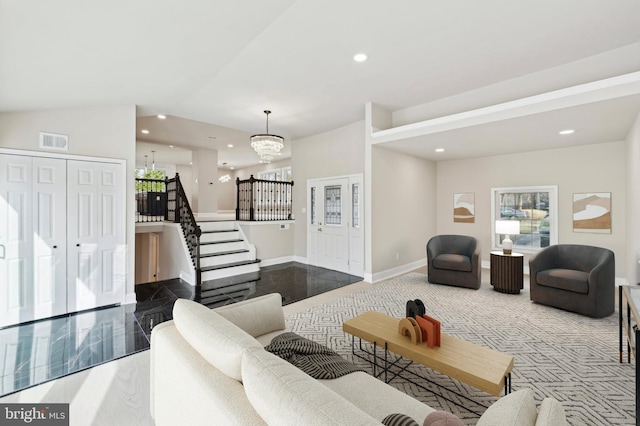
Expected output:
(454, 260)
(575, 278)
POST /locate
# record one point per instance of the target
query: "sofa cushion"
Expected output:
(217, 340)
(453, 262)
(551, 413)
(284, 395)
(564, 279)
(258, 316)
(380, 399)
(517, 408)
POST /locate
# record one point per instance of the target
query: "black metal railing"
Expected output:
(179, 211)
(151, 200)
(262, 200)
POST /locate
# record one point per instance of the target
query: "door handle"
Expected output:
(320, 229)
(2, 252)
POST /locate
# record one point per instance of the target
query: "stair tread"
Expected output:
(220, 230)
(220, 242)
(229, 265)
(222, 253)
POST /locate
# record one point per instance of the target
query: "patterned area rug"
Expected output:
(560, 354)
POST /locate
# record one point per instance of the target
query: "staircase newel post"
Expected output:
(251, 211)
(198, 271)
(177, 218)
(237, 198)
(166, 198)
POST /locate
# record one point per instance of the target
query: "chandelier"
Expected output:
(267, 146)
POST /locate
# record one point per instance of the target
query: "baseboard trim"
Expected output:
(277, 261)
(394, 272)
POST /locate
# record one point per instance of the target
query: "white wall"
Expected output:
(590, 168)
(633, 203)
(272, 243)
(403, 209)
(108, 132)
(339, 152)
(205, 190)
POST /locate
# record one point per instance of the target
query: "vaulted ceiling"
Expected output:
(213, 66)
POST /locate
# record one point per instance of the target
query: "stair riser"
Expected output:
(225, 272)
(217, 226)
(217, 248)
(219, 236)
(224, 258)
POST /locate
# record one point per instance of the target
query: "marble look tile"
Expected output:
(45, 350)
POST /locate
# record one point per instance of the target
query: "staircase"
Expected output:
(227, 261)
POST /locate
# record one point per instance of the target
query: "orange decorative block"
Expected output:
(436, 329)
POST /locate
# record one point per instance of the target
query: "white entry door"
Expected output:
(32, 238)
(95, 205)
(334, 237)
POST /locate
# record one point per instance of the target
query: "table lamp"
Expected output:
(506, 228)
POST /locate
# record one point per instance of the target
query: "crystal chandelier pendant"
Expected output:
(267, 146)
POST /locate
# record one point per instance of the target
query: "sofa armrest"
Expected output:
(603, 276)
(258, 316)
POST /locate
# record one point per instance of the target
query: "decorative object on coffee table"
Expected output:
(409, 327)
(415, 308)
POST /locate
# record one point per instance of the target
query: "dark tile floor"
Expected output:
(44, 350)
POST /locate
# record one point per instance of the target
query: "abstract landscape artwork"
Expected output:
(464, 208)
(592, 212)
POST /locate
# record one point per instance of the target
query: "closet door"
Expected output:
(32, 238)
(96, 234)
(49, 237)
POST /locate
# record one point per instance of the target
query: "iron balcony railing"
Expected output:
(263, 200)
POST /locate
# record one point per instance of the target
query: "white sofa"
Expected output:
(210, 367)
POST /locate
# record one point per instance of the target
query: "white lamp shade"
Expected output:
(508, 227)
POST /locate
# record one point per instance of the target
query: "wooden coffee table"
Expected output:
(481, 367)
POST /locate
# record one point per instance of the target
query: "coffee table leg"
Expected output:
(386, 366)
(375, 359)
(507, 384)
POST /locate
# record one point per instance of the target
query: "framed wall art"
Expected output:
(592, 212)
(464, 207)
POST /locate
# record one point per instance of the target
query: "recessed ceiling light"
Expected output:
(439, 149)
(231, 167)
(230, 145)
(566, 132)
(145, 131)
(212, 137)
(170, 146)
(360, 57)
(161, 116)
(191, 163)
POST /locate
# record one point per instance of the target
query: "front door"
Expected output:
(335, 224)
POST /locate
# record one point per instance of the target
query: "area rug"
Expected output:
(560, 354)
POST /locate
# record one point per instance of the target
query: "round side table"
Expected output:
(507, 272)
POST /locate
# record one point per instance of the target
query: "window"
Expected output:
(269, 175)
(333, 205)
(535, 208)
(355, 205)
(313, 205)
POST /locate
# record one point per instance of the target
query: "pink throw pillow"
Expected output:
(442, 418)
